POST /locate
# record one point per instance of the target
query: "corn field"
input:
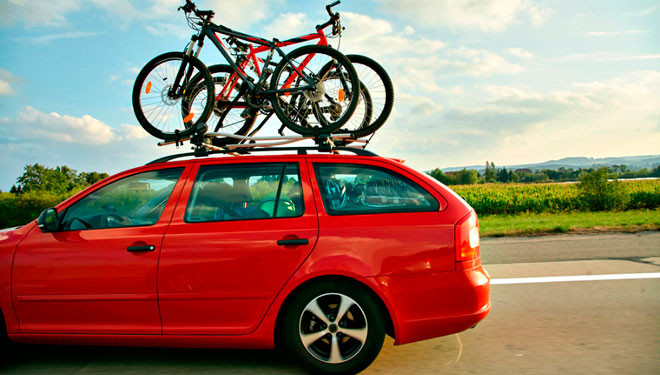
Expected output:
(503, 199)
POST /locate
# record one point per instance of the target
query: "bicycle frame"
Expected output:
(211, 31)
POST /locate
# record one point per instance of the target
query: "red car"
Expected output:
(322, 253)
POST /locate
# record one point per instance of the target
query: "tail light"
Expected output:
(467, 238)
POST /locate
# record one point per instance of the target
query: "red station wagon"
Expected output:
(322, 253)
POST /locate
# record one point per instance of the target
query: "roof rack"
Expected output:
(204, 147)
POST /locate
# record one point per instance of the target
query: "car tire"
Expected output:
(334, 327)
(5, 344)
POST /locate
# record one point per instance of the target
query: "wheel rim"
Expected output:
(333, 328)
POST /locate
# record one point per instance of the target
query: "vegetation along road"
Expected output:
(561, 304)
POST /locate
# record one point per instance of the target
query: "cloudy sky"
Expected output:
(510, 81)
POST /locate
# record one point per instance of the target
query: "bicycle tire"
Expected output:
(307, 114)
(225, 117)
(374, 78)
(377, 97)
(162, 115)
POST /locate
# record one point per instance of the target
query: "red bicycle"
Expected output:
(374, 105)
(313, 90)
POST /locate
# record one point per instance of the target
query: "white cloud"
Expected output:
(33, 13)
(67, 129)
(538, 15)
(288, 25)
(648, 10)
(613, 33)
(82, 143)
(181, 30)
(240, 14)
(378, 38)
(604, 56)
(517, 124)
(519, 52)
(483, 15)
(133, 132)
(460, 61)
(36, 12)
(7, 79)
(632, 58)
(66, 35)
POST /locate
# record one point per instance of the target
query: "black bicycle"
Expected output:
(313, 90)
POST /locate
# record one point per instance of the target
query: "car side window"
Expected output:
(351, 189)
(245, 192)
(136, 200)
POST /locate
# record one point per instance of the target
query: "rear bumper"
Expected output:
(436, 304)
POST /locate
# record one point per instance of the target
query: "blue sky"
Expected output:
(509, 81)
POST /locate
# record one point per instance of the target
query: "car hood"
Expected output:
(8, 236)
(8, 229)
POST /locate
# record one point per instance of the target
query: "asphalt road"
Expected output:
(569, 327)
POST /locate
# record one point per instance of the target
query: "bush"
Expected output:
(600, 194)
(20, 209)
(512, 199)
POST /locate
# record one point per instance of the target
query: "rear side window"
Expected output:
(361, 189)
(245, 192)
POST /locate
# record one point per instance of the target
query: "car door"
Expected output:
(97, 273)
(244, 230)
(390, 216)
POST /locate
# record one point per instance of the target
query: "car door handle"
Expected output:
(297, 241)
(141, 248)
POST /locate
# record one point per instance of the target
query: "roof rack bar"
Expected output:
(258, 141)
(170, 157)
(219, 150)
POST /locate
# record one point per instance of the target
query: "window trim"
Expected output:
(284, 166)
(435, 204)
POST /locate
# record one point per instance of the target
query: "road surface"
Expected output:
(557, 326)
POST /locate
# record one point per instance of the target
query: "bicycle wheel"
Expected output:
(375, 80)
(376, 97)
(166, 114)
(229, 114)
(327, 106)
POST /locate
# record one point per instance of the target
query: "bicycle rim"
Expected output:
(161, 111)
(327, 106)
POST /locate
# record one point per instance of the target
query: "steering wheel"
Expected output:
(86, 224)
(113, 220)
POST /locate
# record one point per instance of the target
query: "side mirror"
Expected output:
(48, 220)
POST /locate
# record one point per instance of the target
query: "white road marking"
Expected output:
(559, 279)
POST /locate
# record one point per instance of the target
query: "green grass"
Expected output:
(572, 222)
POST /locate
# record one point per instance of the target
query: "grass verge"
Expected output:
(576, 222)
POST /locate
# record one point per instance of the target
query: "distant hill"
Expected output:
(634, 163)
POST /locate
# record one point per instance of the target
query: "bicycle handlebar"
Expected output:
(334, 19)
(328, 8)
(191, 7)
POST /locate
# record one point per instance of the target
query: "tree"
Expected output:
(503, 175)
(61, 179)
(656, 171)
(440, 176)
(490, 174)
(600, 194)
(467, 177)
